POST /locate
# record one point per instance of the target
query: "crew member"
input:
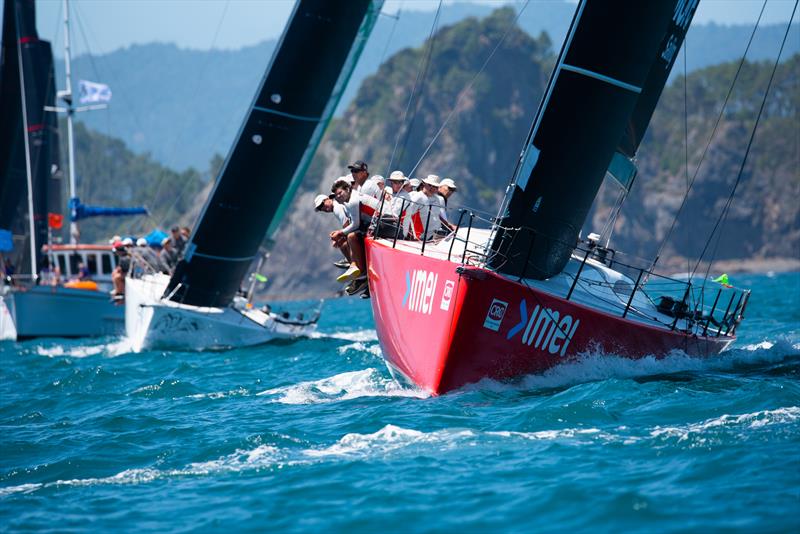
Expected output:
(327, 204)
(360, 209)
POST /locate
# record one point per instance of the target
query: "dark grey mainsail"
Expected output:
(28, 134)
(294, 103)
(609, 74)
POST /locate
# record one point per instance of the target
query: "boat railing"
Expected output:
(700, 306)
(390, 227)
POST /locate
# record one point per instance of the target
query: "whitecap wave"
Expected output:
(263, 456)
(344, 386)
(238, 392)
(749, 420)
(387, 439)
(114, 348)
(562, 433)
(360, 346)
(357, 335)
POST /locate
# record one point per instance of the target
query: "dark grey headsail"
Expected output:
(609, 74)
(27, 85)
(294, 103)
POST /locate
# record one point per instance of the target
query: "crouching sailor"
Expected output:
(327, 204)
(360, 209)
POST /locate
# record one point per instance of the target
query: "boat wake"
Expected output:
(392, 439)
(344, 386)
(596, 366)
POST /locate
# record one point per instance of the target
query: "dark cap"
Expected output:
(358, 166)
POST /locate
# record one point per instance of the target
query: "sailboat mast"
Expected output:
(28, 171)
(66, 96)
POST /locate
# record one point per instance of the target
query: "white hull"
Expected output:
(155, 323)
(45, 311)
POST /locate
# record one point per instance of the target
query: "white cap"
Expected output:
(414, 182)
(449, 183)
(431, 179)
(398, 176)
(378, 179)
(114, 239)
(141, 242)
(348, 177)
(128, 242)
(318, 201)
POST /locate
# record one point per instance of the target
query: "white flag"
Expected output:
(91, 92)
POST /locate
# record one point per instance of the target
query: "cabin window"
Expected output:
(91, 263)
(74, 260)
(106, 259)
(62, 264)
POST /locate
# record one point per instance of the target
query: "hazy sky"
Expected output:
(107, 25)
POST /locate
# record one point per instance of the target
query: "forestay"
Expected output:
(600, 97)
(295, 101)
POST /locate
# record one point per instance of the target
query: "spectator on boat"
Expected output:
(186, 233)
(177, 241)
(168, 256)
(327, 204)
(83, 272)
(8, 271)
(148, 257)
(49, 275)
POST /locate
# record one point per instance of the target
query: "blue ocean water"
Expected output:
(314, 436)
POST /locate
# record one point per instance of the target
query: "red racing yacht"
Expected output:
(515, 294)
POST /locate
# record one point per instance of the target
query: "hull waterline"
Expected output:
(443, 325)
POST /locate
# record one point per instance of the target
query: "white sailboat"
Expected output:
(199, 306)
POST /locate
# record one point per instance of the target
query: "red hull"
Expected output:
(443, 329)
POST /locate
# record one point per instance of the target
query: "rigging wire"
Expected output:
(396, 18)
(466, 88)
(686, 143)
(414, 88)
(726, 209)
(710, 138)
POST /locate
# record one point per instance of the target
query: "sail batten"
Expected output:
(608, 76)
(291, 109)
